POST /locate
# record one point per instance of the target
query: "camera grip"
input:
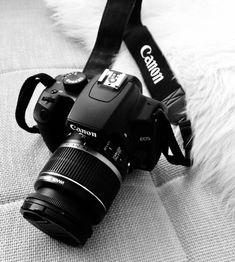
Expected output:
(51, 117)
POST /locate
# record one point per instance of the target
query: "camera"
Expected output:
(99, 131)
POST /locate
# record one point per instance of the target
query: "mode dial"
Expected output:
(74, 82)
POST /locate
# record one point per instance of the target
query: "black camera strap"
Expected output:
(110, 35)
(170, 147)
(122, 21)
(25, 95)
(158, 76)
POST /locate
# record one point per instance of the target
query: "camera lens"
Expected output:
(75, 189)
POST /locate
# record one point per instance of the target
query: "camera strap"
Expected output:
(110, 35)
(158, 77)
(121, 20)
(25, 95)
(169, 144)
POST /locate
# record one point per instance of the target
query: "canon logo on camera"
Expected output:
(151, 64)
(83, 131)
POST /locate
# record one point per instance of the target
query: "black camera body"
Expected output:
(98, 132)
(110, 106)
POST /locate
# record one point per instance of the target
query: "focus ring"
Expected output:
(86, 170)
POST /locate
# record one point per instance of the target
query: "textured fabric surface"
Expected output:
(28, 39)
(175, 221)
(204, 233)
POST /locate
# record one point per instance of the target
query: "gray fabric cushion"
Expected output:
(204, 232)
(165, 220)
(29, 39)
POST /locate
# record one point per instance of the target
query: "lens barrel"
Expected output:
(73, 192)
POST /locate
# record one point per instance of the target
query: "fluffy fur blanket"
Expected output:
(198, 40)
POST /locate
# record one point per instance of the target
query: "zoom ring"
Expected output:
(85, 169)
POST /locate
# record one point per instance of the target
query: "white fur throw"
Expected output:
(198, 39)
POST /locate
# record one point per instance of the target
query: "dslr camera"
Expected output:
(99, 131)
